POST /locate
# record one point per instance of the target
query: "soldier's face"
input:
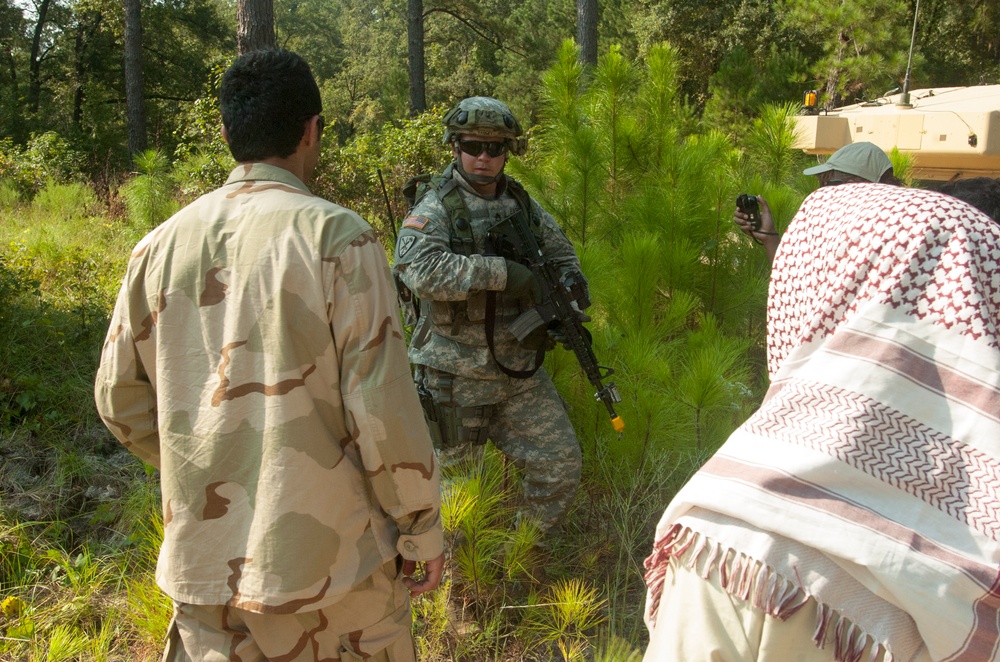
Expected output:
(482, 163)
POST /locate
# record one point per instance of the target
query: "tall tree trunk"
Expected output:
(586, 30)
(415, 57)
(134, 98)
(254, 25)
(35, 64)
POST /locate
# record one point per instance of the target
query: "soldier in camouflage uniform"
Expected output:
(443, 259)
(255, 357)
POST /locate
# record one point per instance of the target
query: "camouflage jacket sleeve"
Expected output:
(379, 395)
(123, 390)
(425, 262)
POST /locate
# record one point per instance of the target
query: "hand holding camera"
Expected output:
(749, 205)
(753, 216)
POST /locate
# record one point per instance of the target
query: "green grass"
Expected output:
(80, 522)
(80, 518)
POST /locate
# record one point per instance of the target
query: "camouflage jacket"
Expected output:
(450, 334)
(255, 356)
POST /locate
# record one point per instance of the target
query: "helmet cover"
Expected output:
(487, 117)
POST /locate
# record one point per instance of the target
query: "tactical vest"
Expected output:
(462, 242)
(445, 187)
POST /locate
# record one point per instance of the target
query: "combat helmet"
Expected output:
(485, 116)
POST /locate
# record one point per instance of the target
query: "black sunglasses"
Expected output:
(476, 147)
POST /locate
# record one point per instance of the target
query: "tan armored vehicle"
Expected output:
(952, 132)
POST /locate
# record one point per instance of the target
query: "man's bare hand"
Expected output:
(427, 580)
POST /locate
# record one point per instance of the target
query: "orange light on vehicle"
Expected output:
(810, 102)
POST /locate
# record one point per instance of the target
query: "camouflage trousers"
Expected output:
(370, 623)
(529, 425)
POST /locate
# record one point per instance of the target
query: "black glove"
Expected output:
(559, 335)
(521, 282)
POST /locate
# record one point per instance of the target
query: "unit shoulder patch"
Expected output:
(405, 244)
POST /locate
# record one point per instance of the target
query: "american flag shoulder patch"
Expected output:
(415, 222)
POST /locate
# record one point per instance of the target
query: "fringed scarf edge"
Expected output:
(757, 583)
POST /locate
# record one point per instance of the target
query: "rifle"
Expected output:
(511, 238)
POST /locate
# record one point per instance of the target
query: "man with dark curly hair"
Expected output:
(255, 357)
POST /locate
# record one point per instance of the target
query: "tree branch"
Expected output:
(472, 26)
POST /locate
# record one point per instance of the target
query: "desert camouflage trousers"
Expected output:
(528, 424)
(371, 623)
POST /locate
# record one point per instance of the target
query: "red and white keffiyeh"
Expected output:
(869, 479)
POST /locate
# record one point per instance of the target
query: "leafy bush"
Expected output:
(202, 159)
(349, 175)
(9, 153)
(46, 157)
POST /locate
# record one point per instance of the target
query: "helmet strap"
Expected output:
(477, 179)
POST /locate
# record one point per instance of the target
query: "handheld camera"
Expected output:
(749, 205)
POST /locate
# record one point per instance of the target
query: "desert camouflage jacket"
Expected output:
(450, 334)
(255, 356)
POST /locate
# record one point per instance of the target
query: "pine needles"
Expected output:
(679, 312)
(149, 196)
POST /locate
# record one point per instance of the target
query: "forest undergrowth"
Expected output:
(678, 312)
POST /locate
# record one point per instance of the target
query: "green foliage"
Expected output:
(615, 649)
(47, 157)
(477, 519)
(957, 43)
(65, 201)
(704, 32)
(349, 175)
(149, 608)
(52, 600)
(59, 274)
(619, 159)
(74, 86)
(615, 525)
(202, 159)
(149, 195)
(567, 613)
(649, 209)
(201, 171)
(495, 563)
(431, 623)
(769, 143)
(864, 44)
(712, 382)
(10, 198)
(902, 166)
(66, 643)
(497, 47)
(743, 85)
